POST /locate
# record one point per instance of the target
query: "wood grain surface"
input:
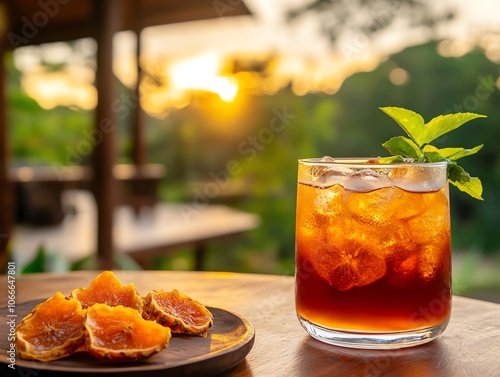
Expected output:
(470, 346)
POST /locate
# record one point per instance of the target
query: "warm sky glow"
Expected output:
(188, 58)
(203, 73)
(64, 88)
(180, 79)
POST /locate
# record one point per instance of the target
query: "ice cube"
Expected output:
(418, 179)
(328, 201)
(327, 175)
(327, 159)
(431, 259)
(431, 221)
(366, 180)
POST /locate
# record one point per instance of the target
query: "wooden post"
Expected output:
(107, 16)
(6, 191)
(138, 152)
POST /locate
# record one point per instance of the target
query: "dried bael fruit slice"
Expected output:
(178, 311)
(54, 329)
(121, 334)
(107, 289)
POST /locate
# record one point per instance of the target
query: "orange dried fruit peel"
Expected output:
(107, 289)
(179, 312)
(107, 320)
(52, 330)
(121, 334)
(348, 264)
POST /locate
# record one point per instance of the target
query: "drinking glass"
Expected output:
(373, 257)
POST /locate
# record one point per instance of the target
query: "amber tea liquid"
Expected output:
(373, 253)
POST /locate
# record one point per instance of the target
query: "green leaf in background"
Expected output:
(45, 262)
(37, 264)
(403, 146)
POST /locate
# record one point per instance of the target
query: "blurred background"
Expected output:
(231, 103)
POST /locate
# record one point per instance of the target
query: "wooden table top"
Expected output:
(470, 346)
(161, 228)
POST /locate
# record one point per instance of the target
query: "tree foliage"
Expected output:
(348, 123)
(336, 18)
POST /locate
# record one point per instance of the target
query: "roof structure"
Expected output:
(30, 22)
(44, 21)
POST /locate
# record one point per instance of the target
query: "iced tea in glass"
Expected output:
(373, 258)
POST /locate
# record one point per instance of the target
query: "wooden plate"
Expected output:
(229, 341)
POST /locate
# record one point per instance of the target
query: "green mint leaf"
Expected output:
(422, 133)
(434, 156)
(452, 153)
(403, 146)
(443, 124)
(473, 187)
(391, 159)
(432, 148)
(418, 149)
(457, 174)
(411, 122)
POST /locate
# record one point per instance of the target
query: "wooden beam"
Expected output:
(44, 21)
(107, 16)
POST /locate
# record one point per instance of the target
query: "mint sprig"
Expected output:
(417, 147)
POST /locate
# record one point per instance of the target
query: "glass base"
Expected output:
(373, 340)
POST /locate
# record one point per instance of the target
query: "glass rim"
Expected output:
(368, 162)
